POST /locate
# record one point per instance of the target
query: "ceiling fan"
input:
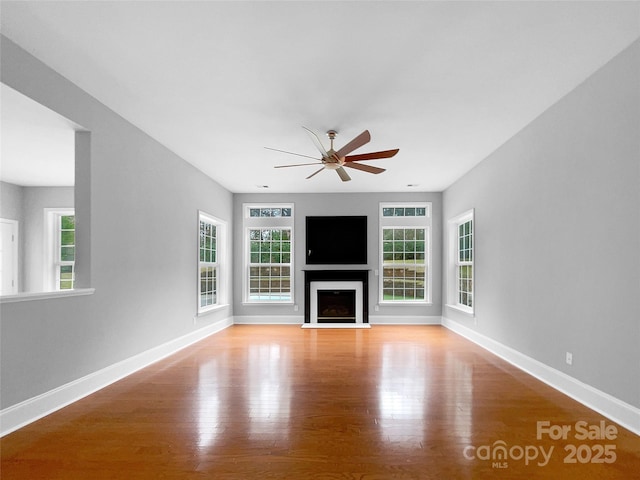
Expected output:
(337, 159)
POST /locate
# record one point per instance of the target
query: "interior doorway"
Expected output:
(8, 256)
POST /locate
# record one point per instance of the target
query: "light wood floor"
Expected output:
(280, 402)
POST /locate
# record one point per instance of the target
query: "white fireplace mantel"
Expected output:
(336, 285)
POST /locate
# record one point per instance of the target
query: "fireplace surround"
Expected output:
(334, 281)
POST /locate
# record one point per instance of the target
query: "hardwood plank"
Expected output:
(281, 402)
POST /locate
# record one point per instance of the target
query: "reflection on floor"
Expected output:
(281, 402)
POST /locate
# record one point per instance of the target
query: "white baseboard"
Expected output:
(404, 320)
(32, 409)
(268, 319)
(299, 320)
(616, 410)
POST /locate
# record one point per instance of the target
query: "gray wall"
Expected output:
(11, 209)
(10, 201)
(338, 204)
(143, 247)
(557, 233)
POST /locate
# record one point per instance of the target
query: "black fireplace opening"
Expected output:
(336, 306)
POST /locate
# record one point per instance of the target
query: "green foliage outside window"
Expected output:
(403, 264)
(67, 252)
(270, 263)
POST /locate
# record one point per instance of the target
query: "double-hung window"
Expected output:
(461, 245)
(211, 283)
(269, 253)
(66, 257)
(60, 253)
(405, 231)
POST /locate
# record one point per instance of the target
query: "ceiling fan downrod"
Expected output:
(332, 135)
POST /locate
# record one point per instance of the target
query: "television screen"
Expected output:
(337, 240)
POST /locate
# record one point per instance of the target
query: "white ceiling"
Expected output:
(215, 82)
(37, 145)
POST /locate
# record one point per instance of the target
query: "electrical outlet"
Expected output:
(376, 308)
(569, 358)
(295, 308)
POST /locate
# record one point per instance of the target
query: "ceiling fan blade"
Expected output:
(314, 173)
(297, 165)
(371, 156)
(364, 168)
(344, 176)
(360, 140)
(291, 153)
(317, 142)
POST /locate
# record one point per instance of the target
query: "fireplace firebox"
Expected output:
(336, 306)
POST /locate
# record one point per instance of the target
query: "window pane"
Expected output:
(66, 272)
(270, 212)
(208, 242)
(208, 286)
(270, 247)
(465, 285)
(404, 283)
(67, 254)
(66, 277)
(68, 222)
(68, 238)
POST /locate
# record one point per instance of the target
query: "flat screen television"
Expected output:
(340, 240)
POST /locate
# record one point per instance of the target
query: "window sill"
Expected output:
(389, 303)
(264, 302)
(212, 309)
(29, 296)
(465, 311)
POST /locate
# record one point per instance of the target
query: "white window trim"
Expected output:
(51, 247)
(452, 262)
(390, 222)
(222, 296)
(266, 222)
